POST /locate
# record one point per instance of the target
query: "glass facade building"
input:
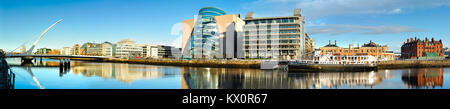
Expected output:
(213, 34)
(282, 38)
(204, 41)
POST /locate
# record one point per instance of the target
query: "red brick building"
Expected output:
(414, 48)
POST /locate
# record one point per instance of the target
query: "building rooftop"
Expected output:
(331, 45)
(371, 44)
(251, 15)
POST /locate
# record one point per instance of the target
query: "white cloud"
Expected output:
(337, 29)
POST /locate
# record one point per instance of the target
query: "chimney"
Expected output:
(335, 42)
(329, 42)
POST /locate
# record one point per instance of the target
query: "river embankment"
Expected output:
(398, 64)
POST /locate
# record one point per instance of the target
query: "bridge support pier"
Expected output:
(27, 60)
(64, 66)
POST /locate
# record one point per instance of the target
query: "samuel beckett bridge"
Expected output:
(28, 56)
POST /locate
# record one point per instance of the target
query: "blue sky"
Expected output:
(387, 22)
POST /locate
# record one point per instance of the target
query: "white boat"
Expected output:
(329, 62)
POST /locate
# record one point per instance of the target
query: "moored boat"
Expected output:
(325, 63)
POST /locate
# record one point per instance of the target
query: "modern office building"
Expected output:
(370, 49)
(76, 49)
(96, 49)
(124, 49)
(66, 51)
(146, 50)
(282, 38)
(43, 50)
(55, 52)
(157, 51)
(416, 49)
(162, 51)
(213, 34)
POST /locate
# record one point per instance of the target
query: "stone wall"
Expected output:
(413, 64)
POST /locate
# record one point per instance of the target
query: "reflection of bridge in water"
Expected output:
(122, 72)
(226, 78)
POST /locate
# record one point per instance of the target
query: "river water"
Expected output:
(95, 75)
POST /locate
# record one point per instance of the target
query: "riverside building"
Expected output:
(422, 49)
(124, 49)
(96, 49)
(381, 52)
(282, 38)
(157, 51)
(66, 51)
(76, 49)
(213, 34)
(43, 50)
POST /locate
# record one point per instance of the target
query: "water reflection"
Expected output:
(337, 79)
(122, 72)
(230, 78)
(424, 78)
(94, 75)
(223, 78)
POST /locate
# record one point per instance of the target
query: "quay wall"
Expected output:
(413, 64)
(394, 64)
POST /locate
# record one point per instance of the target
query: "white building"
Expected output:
(124, 49)
(66, 51)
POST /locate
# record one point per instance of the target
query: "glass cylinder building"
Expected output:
(204, 41)
(213, 34)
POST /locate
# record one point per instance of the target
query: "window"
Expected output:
(285, 21)
(263, 21)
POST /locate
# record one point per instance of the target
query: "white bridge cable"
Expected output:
(43, 33)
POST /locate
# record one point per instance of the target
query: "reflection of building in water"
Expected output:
(226, 78)
(331, 80)
(229, 78)
(122, 72)
(423, 77)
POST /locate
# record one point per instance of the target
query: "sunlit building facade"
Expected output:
(76, 49)
(415, 48)
(212, 34)
(282, 38)
(381, 52)
(43, 50)
(124, 49)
